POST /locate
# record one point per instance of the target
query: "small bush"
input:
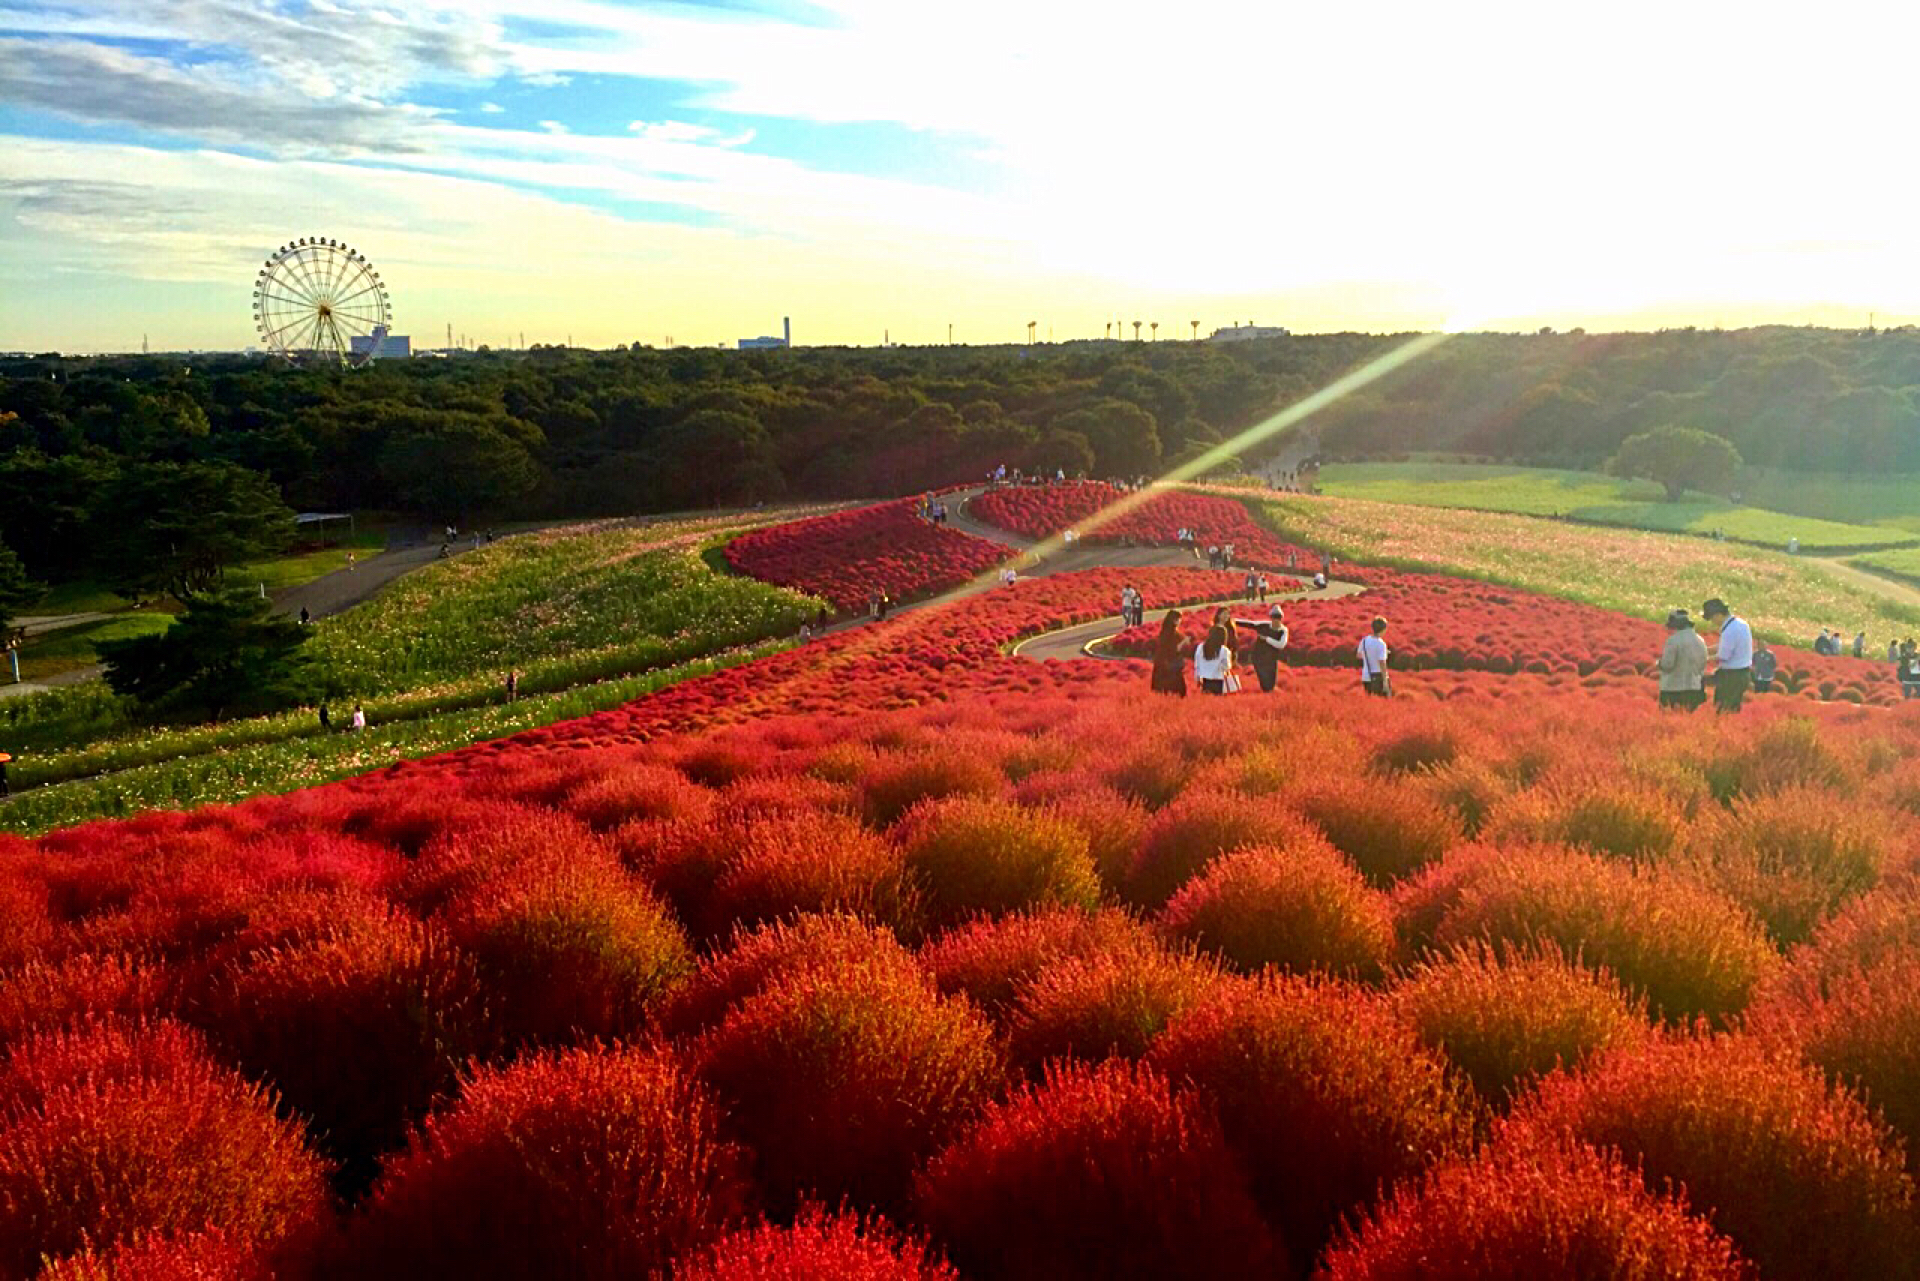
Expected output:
(1879, 926)
(771, 952)
(1189, 834)
(1300, 907)
(1102, 1171)
(1104, 1004)
(42, 997)
(464, 858)
(1806, 1183)
(1151, 775)
(1325, 1095)
(599, 1163)
(1794, 855)
(1389, 831)
(637, 791)
(193, 1256)
(898, 781)
(360, 1028)
(1691, 950)
(818, 1245)
(118, 1130)
(1791, 752)
(1507, 1016)
(990, 961)
(778, 866)
(1471, 789)
(1420, 748)
(975, 855)
(568, 954)
(1112, 824)
(1622, 818)
(1565, 1211)
(844, 1079)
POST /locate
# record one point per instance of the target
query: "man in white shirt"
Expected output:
(1373, 661)
(1735, 673)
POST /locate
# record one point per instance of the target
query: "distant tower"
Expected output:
(1136, 331)
(1031, 324)
(1109, 331)
(1196, 329)
(786, 331)
(1155, 326)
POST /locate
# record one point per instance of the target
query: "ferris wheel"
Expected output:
(314, 296)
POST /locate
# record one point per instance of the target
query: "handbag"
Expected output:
(1232, 682)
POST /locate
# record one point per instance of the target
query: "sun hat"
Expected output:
(1677, 619)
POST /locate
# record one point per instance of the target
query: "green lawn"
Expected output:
(1901, 563)
(1892, 501)
(295, 568)
(79, 597)
(1591, 498)
(50, 653)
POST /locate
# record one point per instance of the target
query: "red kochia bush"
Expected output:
(1796, 854)
(1802, 1178)
(778, 865)
(196, 1256)
(1103, 1171)
(1504, 1016)
(816, 1247)
(359, 1028)
(977, 855)
(593, 1163)
(900, 780)
(520, 843)
(1300, 907)
(1388, 830)
(842, 1080)
(1322, 1091)
(1112, 824)
(638, 790)
(1106, 1003)
(121, 1129)
(568, 953)
(1566, 1212)
(772, 952)
(1200, 827)
(990, 961)
(42, 997)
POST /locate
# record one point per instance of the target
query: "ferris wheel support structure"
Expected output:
(314, 296)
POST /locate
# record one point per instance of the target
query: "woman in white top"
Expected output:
(1213, 662)
(1373, 660)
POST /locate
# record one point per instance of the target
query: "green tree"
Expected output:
(1125, 439)
(16, 590)
(456, 465)
(715, 456)
(176, 527)
(227, 653)
(1679, 458)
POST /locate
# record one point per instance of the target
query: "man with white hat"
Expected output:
(1269, 638)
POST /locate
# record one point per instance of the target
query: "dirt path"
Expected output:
(1886, 588)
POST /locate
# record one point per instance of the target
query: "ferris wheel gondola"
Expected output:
(314, 296)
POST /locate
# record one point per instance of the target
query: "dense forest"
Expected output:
(88, 444)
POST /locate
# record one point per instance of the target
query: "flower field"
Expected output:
(846, 556)
(1439, 622)
(1040, 511)
(901, 956)
(1786, 598)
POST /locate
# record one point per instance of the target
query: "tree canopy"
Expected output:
(1680, 458)
(228, 653)
(176, 527)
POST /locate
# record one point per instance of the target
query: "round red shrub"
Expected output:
(1105, 1004)
(972, 855)
(45, 997)
(1802, 1178)
(1505, 1016)
(116, 1130)
(1691, 949)
(1864, 1030)
(1564, 1211)
(1423, 747)
(1323, 1092)
(779, 950)
(466, 857)
(900, 780)
(843, 1079)
(1388, 829)
(1299, 907)
(991, 960)
(593, 1163)
(1619, 817)
(1794, 855)
(1152, 775)
(1112, 824)
(1102, 1171)
(637, 790)
(570, 953)
(1790, 752)
(195, 1256)
(1880, 926)
(359, 1028)
(780, 865)
(1201, 826)
(1471, 789)
(817, 1245)
(24, 906)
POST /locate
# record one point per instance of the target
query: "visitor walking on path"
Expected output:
(1251, 587)
(1373, 661)
(1169, 673)
(513, 684)
(1213, 662)
(1269, 638)
(1735, 671)
(359, 718)
(1262, 588)
(1909, 669)
(1859, 644)
(1766, 664)
(326, 721)
(1683, 664)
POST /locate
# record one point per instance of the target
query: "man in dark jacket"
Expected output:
(1269, 638)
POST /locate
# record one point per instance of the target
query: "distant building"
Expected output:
(1246, 333)
(392, 347)
(764, 341)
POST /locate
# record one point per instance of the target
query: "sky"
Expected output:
(601, 173)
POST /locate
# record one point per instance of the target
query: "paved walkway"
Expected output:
(1886, 588)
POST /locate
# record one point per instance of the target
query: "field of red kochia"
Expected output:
(1038, 511)
(897, 956)
(844, 557)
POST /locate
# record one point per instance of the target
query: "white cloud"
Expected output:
(491, 108)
